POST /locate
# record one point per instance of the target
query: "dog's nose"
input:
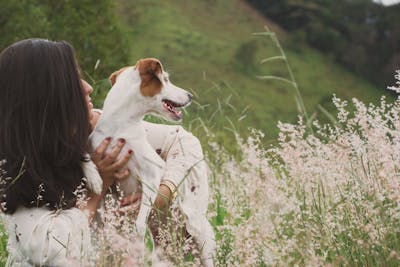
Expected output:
(190, 96)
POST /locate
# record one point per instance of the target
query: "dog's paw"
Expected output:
(93, 179)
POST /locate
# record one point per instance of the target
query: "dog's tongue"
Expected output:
(173, 109)
(178, 113)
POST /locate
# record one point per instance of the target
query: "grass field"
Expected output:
(322, 198)
(292, 213)
(209, 48)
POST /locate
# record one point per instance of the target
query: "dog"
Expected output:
(136, 91)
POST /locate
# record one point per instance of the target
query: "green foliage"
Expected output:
(350, 245)
(246, 56)
(361, 35)
(91, 27)
(3, 245)
(21, 19)
(226, 247)
(209, 49)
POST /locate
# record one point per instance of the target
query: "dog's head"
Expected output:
(154, 90)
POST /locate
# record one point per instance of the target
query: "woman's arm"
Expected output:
(181, 151)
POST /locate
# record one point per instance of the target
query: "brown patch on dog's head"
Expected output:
(149, 69)
(114, 75)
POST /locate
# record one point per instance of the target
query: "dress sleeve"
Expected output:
(188, 170)
(179, 148)
(42, 237)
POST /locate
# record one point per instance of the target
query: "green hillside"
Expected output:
(209, 48)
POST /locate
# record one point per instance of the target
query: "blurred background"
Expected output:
(350, 48)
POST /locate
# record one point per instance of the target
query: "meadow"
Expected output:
(211, 48)
(325, 194)
(304, 156)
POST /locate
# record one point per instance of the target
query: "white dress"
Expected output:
(40, 237)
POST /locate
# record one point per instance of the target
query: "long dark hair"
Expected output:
(43, 124)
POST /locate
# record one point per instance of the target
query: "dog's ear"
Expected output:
(150, 70)
(114, 75)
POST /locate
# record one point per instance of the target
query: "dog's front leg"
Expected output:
(152, 168)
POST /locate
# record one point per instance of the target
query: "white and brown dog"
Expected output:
(137, 91)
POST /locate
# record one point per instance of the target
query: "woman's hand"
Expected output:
(111, 169)
(163, 198)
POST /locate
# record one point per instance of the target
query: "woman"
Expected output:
(44, 130)
(44, 113)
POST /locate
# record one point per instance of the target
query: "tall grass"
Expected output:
(329, 196)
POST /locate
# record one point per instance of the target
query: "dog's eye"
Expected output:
(166, 79)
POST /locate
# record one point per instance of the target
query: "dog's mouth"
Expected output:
(172, 108)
